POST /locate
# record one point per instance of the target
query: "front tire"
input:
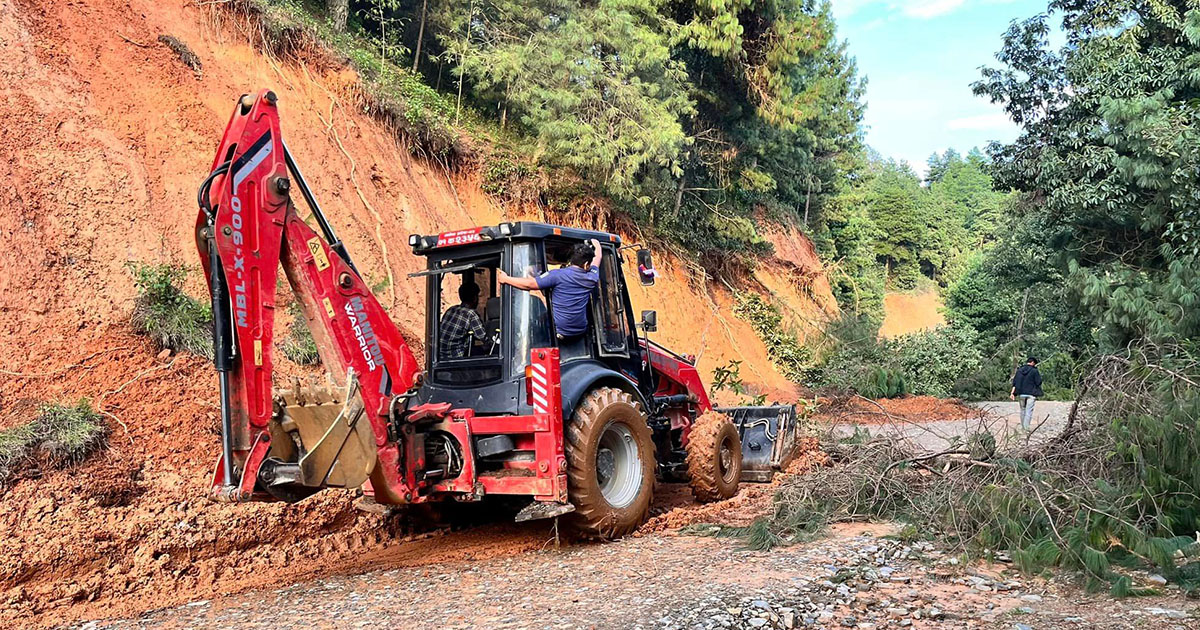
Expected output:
(714, 457)
(610, 465)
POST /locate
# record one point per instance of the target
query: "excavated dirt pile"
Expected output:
(107, 128)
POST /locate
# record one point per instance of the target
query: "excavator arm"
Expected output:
(287, 444)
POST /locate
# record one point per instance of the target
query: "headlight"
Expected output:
(506, 229)
(413, 239)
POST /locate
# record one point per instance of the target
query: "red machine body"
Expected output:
(247, 229)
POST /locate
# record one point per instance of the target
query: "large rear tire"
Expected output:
(714, 457)
(610, 465)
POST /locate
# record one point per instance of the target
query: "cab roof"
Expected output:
(520, 230)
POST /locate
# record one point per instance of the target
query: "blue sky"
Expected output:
(920, 58)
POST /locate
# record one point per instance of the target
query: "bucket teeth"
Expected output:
(300, 394)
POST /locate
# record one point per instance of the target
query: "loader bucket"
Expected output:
(768, 438)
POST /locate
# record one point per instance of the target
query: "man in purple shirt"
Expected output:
(570, 288)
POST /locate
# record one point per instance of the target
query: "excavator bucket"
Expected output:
(768, 438)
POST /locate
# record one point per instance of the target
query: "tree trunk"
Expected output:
(807, 198)
(678, 197)
(420, 36)
(338, 11)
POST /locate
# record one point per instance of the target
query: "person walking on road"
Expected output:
(1026, 389)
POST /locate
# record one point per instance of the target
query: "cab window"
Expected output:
(613, 330)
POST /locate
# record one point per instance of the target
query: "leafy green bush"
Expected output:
(925, 363)
(58, 436)
(933, 361)
(162, 311)
(503, 175)
(856, 352)
(783, 348)
(883, 383)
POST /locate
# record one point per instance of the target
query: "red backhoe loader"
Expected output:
(581, 427)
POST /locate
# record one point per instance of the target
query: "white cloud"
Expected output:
(982, 122)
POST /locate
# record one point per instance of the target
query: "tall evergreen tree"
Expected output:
(1109, 154)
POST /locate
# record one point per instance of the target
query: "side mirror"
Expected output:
(646, 272)
(650, 321)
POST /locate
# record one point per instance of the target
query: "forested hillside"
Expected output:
(688, 119)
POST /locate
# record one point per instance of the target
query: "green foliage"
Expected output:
(594, 84)
(887, 219)
(932, 361)
(924, 363)
(856, 278)
(883, 383)
(374, 45)
(729, 377)
(58, 436)
(162, 311)
(783, 348)
(504, 176)
(298, 345)
(1107, 158)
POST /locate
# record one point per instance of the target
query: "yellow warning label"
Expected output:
(318, 252)
(328, 307)
(258, 352)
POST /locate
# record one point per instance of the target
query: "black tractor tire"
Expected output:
(610, 465)
(714, 458)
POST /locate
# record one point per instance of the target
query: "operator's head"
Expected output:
(1032, 361)
(582, 254)
(468, 293)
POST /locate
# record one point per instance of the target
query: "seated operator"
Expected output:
(571, 288)
(461, 326)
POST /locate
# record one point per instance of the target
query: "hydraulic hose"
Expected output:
(222, 329)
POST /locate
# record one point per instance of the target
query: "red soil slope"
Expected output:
(104, 137)
(906, 313)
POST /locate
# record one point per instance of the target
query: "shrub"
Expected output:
(58, 436)
(783, 348)
(883, 383)
(502, 175)
(925, 363)
(932, 361)
(171, 318)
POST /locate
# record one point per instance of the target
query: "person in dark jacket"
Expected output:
(1026, 389)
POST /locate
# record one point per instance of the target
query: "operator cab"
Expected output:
(479, 333)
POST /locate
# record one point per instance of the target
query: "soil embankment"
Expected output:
(106, 135)
(906, 313)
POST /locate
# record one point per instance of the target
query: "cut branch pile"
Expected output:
(1114, 491)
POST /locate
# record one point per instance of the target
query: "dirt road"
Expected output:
(855, 578)
(1000, 418)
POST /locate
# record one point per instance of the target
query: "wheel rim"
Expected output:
(726, 460)
(618, 465)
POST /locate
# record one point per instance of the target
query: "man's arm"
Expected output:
(525, 284)
(599, 254)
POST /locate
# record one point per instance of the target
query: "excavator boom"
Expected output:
(247, 228)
